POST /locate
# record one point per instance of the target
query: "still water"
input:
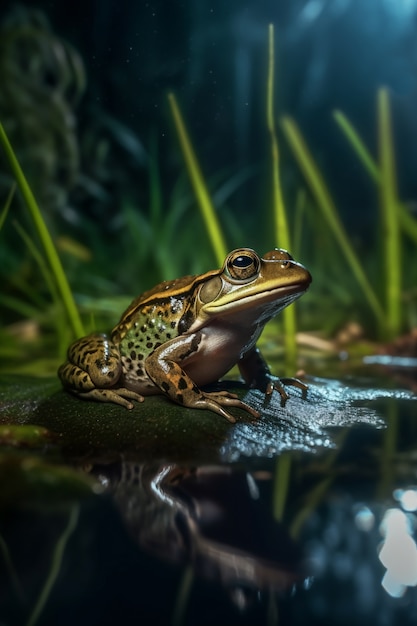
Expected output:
(309, 514)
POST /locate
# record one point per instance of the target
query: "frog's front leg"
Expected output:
(257, 374)
(93, 371)
(165, 367)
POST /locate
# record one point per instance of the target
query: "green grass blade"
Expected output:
(327, 206)
(39, 260)
(55, 565)
(365, 157)
(198, 183)
(10, 569)
(408, 222)
(19, 306)
(58, 322)
(183, 597)
(281, 485)
(44, 236)
(6, 207)
(155, 185)
(299, 217)
(282, 234)
(390, 216)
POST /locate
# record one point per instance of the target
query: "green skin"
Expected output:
(189, 332)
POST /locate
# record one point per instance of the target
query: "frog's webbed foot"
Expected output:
(119, 396)
(216, 400)
(257, 375)
(277, 384)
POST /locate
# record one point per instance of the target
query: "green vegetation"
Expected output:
(161, 238)
(282, 235)
(54, 264)
(54, 287)
(205, 203)
(395, 221)
(327, 206)
(43, 79)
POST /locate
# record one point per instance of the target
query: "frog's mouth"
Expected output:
(276, 298)
(250, 309)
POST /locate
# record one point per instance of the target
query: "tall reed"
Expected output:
(50, 252)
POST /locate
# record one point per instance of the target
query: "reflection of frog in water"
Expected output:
(190, 332)
(193, 515)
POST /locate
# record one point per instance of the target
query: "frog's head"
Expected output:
(249, 288)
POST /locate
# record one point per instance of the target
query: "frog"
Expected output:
(186, 334)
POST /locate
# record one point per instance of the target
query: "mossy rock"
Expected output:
(154, 429)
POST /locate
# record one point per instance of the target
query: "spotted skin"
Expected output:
(186, 333)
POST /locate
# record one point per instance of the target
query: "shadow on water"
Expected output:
(170, 516)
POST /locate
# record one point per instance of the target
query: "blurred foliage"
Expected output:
(121, 227)
(42, 80)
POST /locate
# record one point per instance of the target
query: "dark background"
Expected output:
(330, 54)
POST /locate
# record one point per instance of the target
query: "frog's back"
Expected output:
(180, 288)
(158, 293)
(172, 286)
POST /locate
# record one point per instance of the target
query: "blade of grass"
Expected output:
(18, 282)
(183, 597)
(56, 564)
(357, 144)
(407, 222)
(281, 223)
(327, 206)
(282, 473)
(155, 185)
(19, 306)
(44, 236)
(282, 234)
(299, 215)
(6, 207)
(200, 189)
(9, 566)
(389, 216)
(316, 494)
(39, 259)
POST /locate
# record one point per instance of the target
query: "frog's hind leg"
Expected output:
(94, 370)
(84, 388)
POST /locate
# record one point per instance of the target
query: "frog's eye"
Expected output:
(242, 264)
